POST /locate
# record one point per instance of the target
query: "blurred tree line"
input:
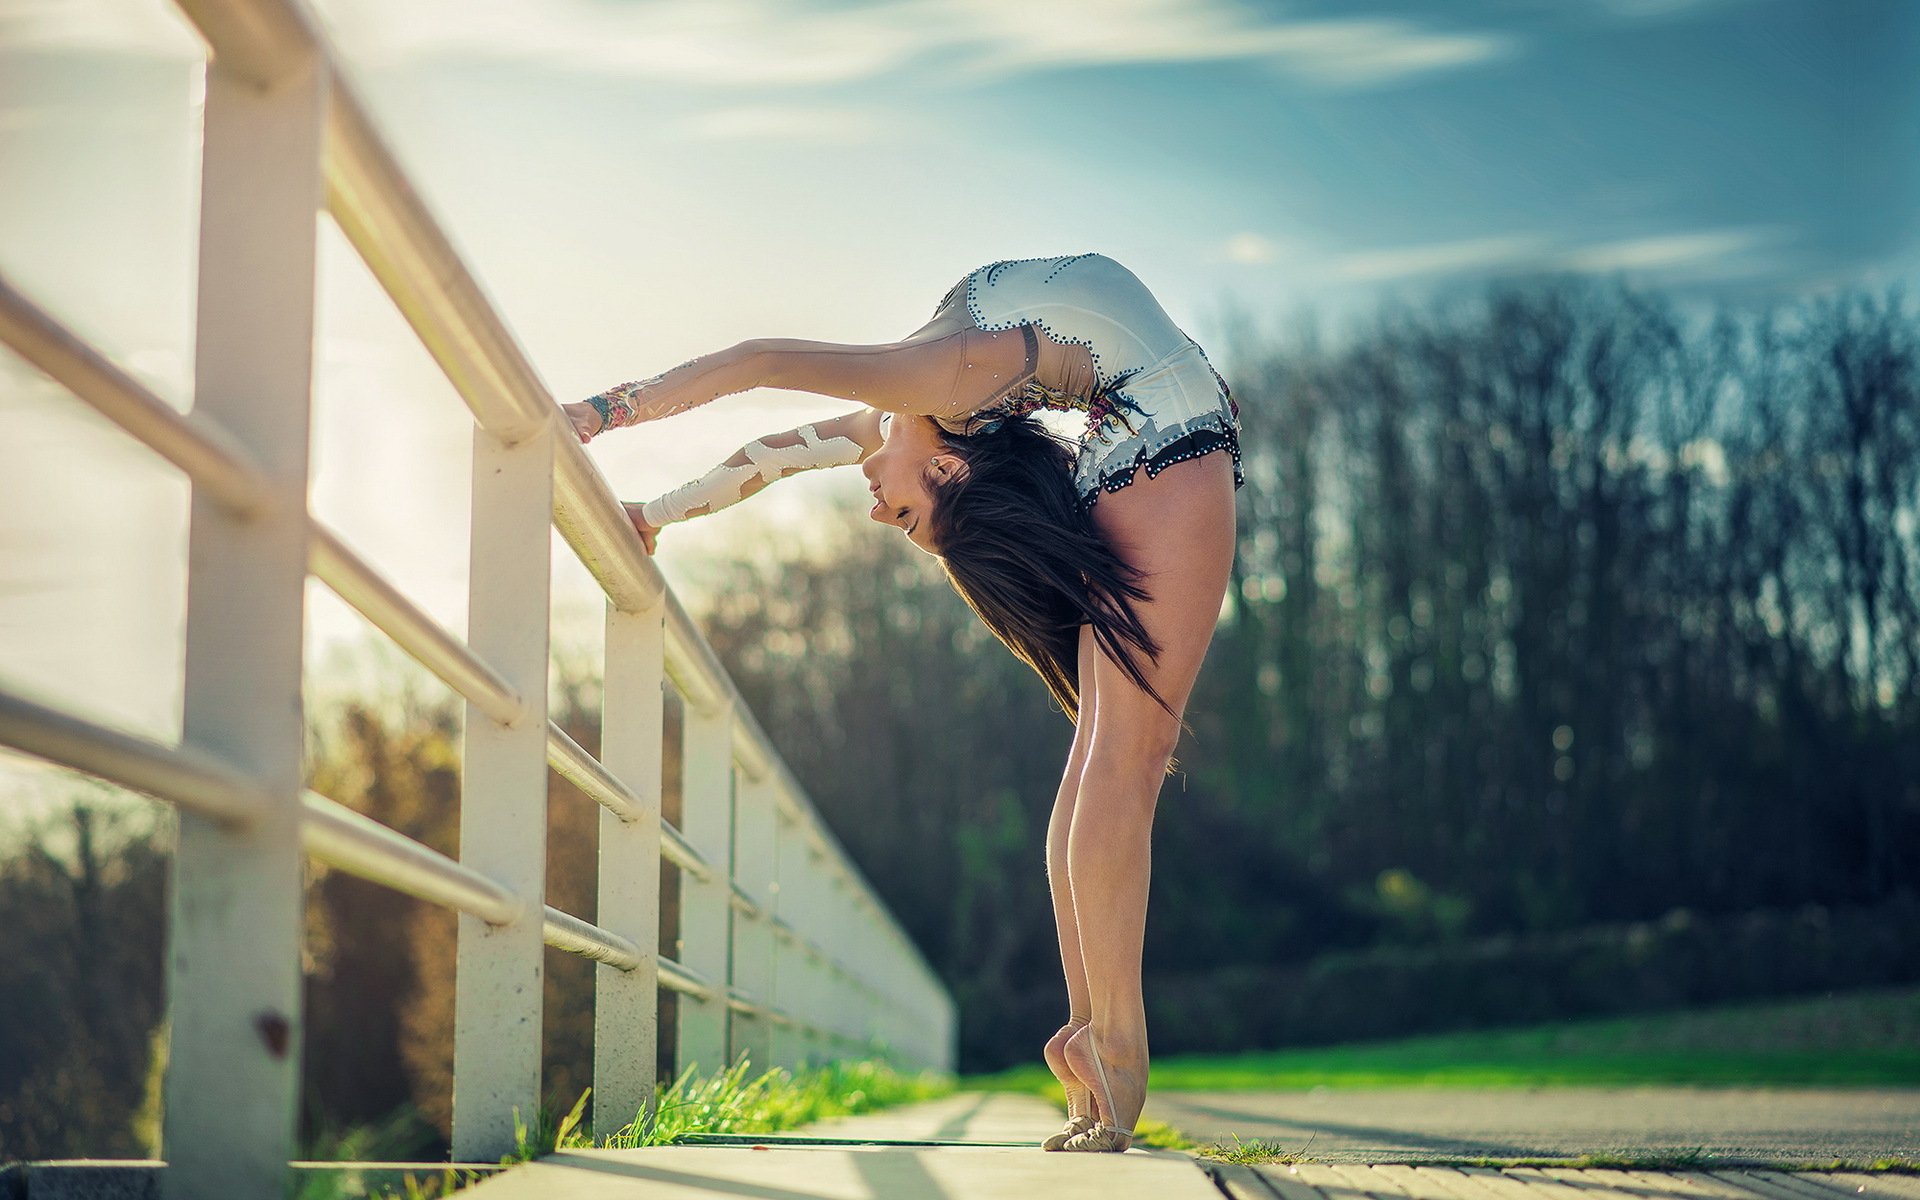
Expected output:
(1554, 606)
(1569, 662)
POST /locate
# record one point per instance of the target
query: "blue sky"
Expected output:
(636, 183)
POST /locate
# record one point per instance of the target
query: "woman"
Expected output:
(1102, 569)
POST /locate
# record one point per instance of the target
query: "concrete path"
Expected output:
(1314, 1182)
(964, 1147)
(974, 1146)
(998, 1118)
(1735, 1126)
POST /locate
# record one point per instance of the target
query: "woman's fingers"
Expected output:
(586, 421)
(647, 532)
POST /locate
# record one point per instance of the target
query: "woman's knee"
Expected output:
(1140, 746)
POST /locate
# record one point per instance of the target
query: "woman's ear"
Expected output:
(947, 468)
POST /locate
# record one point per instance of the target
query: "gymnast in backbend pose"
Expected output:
(1112, 603)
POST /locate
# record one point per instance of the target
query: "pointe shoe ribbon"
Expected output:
(1073, 1128)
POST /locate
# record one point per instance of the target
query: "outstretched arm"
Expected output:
(938, 374)
(935, 374)
(677, 389)
(838, 442)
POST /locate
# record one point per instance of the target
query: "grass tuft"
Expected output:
(1249, 1153)
(735, 1101)
(1692, 1158)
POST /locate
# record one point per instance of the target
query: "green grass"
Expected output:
(1249, 1153)
(1855, 1039)
(1160, 1135)
(731, 1102)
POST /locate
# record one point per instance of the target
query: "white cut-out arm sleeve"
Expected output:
(767, 459)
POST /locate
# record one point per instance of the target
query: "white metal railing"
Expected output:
(785, 952)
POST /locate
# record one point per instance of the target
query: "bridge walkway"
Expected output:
(984, 1146)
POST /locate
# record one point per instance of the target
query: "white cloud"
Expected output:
(720, 43)
(1715, 250)
(1012, 34)
(1696, 255)
(763, 43)
(783, 123)
(1251, 248)
(1363, 53)
(1437, 258)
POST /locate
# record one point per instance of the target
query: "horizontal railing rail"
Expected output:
(784, 951)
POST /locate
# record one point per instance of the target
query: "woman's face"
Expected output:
(898, 473)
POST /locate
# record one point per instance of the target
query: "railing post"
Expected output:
(845, 947)
(804, 979)
(233, 958)
(883, 1019)
(503, 806)
(753, 939)
(706, 908)
(786, 1047)
(943, 1029)
(825, 932)
(626, 1011)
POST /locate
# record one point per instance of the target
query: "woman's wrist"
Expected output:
(599, 405)
(616, 405)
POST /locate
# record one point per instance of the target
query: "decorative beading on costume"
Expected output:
(727, 483)
(1203, 435)
(986, 275)
(1139, 414)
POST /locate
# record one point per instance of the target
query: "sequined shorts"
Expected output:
(1182, 410)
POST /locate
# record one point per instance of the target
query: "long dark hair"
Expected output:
(1026, 556)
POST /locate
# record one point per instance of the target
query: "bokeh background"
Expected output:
(1570, 661)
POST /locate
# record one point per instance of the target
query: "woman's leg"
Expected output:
(1178, 529)
(1079, 1000)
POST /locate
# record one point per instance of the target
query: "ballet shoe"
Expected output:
(1102, 1138)
(1073, 1127)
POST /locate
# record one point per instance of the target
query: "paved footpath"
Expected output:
(1791, 1126)
(1409, 1182)
(976, 1146)
(971, 1146)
